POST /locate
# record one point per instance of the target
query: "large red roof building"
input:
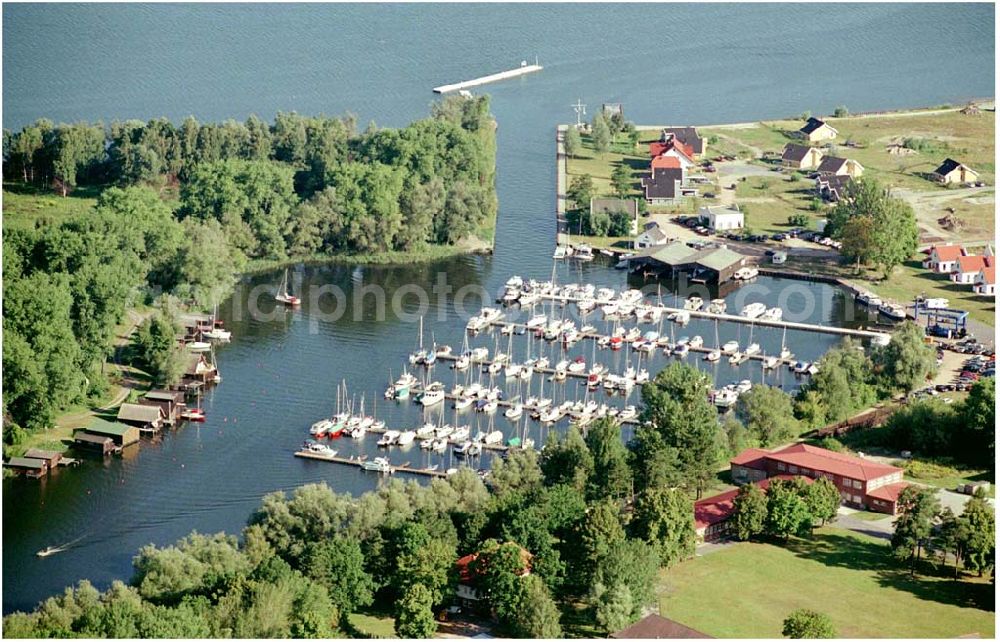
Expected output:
(862, 483)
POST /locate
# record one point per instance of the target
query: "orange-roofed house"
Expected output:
(986, 280)
(672, 149)
(943, 258)
(969, 267)
(862, 483)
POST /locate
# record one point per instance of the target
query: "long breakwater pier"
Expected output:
(523, 70)
(359, 462)
(735, 318)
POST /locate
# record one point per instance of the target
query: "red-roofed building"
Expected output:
(943, 258)
(665, 162)
(856, 478)
(968, 268)
(711, 514)
(672, 148)
(986, 281)
(468, 576)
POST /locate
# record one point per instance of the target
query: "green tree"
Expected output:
(918, 508)
(978, 414)
(840, 389)
(892, 235)
(601, 530)
(663, 518)
(600, 133)
(787, 512)
(156, 344)
(567, 460)
(676, 403)
(572, 142)
(979, 526)
(908, 361)
(612, 607)
(611, 475)
(621, 180)
(807, 624)
(823, 499)
(581, 190)
(339, 565)
(414, 618)
(749, 511)
(519, 472)
(631, 563)
(538, 615)
(841, 112)
(767, 413)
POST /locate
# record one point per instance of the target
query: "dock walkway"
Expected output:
(483, 80)
(359, 461)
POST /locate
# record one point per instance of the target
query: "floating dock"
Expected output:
(524, 69)
(359, 461)
(734, 318)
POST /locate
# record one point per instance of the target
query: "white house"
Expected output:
(721, 218)
(943, 259)
(986, 281)
(650, 237)
(968, 268)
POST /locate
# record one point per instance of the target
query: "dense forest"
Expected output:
(300, 187)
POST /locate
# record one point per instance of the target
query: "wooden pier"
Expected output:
(524, 69)
(595, 336)
(735, 318)
(358, 462)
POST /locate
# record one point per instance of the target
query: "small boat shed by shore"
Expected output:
(28, 466)
(170, 401)
(120, 434)
(103, 444)
(144, 417)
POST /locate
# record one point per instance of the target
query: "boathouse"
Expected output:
(199, 370)
(170, 401)
(96, 443)
(717, 264)
(120, 434)
(145, 418)
(51, 457)
(28, 466)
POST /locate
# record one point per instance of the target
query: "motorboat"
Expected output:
(378, 464)
(696, 341)
(461, 433)
(388, 438)
(681, 349)
(743, 386)
(770, 362)
(729, 347)
(753, 310)
(320, 428)
(514, 412)
(725, 398)
(199, 346)
(737, 358)
(714, 355)
(425, 431)
(801, 367)
(537, 321)
(440, 445)
(693, 303)
(772, 314)
(578, 365)
(893, 311)
(406, 438)
(432, 396)
(717, 306)
(753, 349)
(682, 317)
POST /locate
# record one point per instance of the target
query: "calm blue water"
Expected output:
(666, 63)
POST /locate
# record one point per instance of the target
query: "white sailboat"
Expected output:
(216, 333)
(282, 295)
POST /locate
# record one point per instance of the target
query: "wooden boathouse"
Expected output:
(170, 401)
(102, 444)
(28, 466)
(120, 434)
(717, 264)
(198, 370)
(146, 418)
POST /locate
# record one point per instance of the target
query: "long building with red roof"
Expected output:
(862, 483)
(711, 514)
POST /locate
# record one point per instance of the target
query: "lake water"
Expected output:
(670, 63)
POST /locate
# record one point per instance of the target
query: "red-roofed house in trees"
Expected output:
(943, 258)
(467, 590)
(862, 483)
(711, 514)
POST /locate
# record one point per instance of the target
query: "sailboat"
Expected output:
(419, 355)
(195, 414)
(785, 352)
(217, 333)
(282, 295)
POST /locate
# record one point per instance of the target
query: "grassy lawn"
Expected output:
(372, 626)
(23, 206)
(747, 590)
(968, 139)
(768, 202)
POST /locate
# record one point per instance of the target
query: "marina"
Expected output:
(524, 69)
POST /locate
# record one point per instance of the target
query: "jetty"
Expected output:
(735, 318)
(358, 462)
(523, 70)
